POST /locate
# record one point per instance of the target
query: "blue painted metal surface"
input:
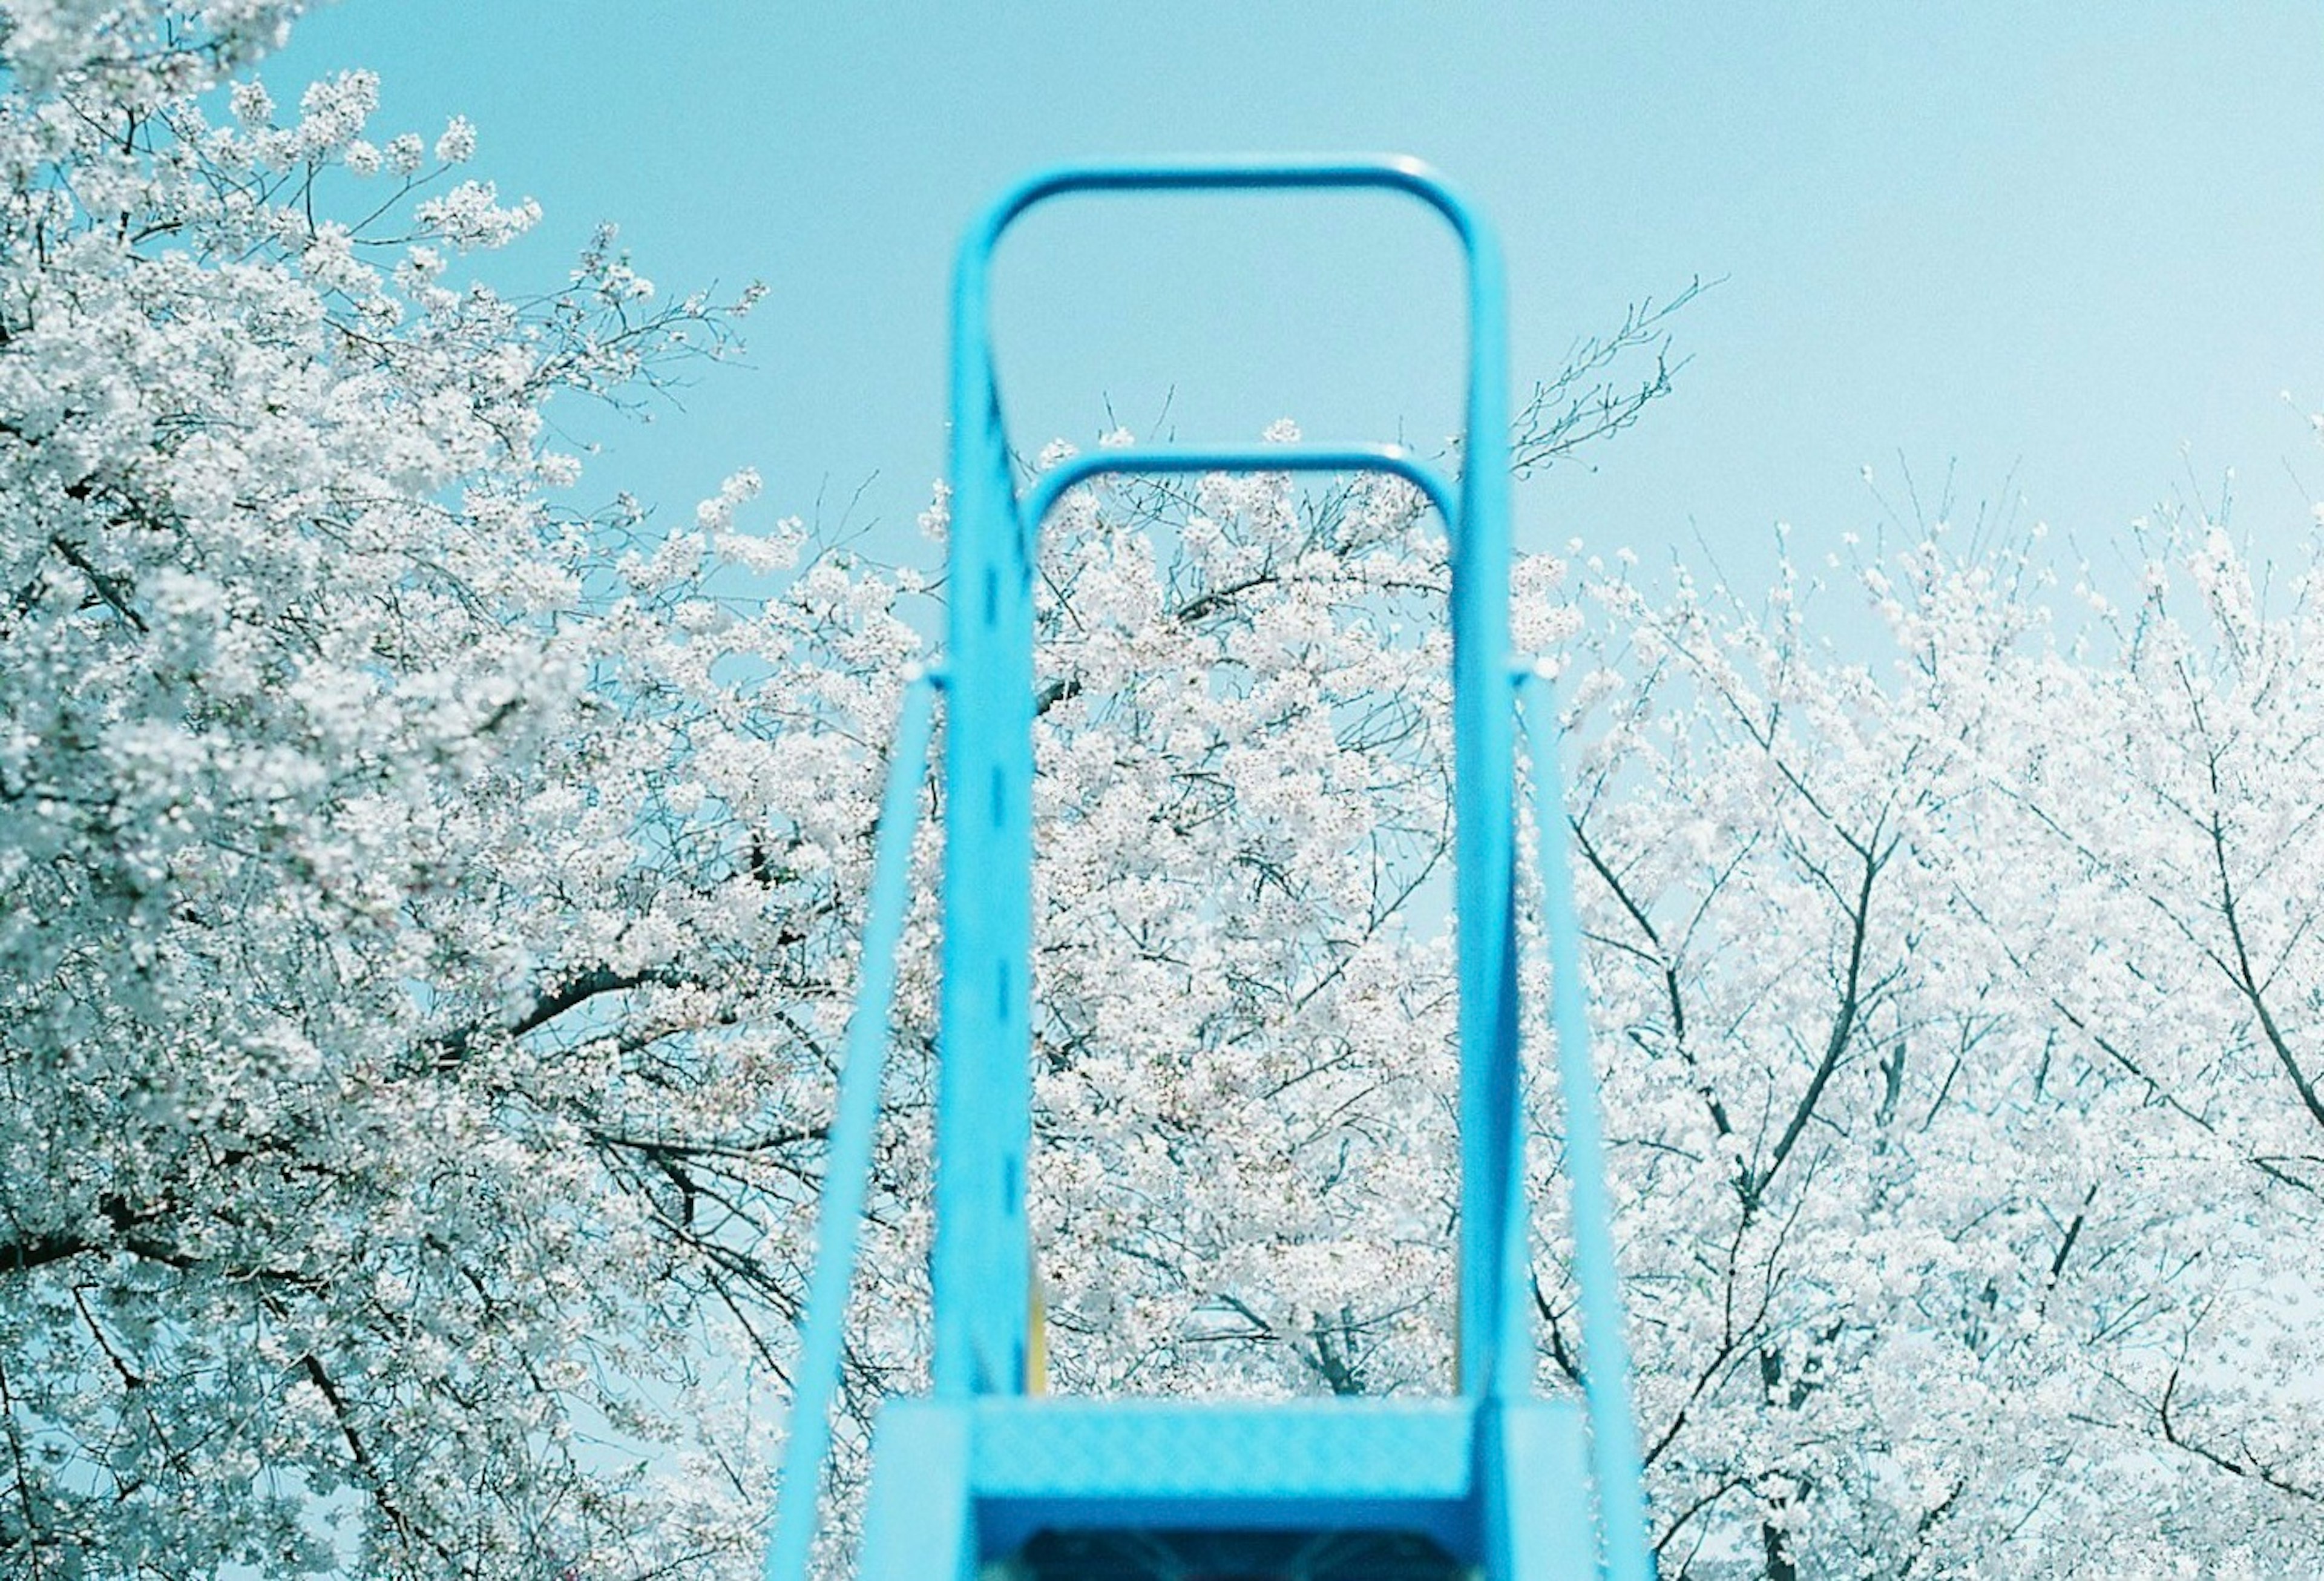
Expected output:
(1606, 1375)
(1500, 1482)
(980, 1267)
(1409, 1466)
(847, 1168)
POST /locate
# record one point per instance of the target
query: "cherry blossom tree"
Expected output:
(318, 796)
(428, 909)
(1951, 1011)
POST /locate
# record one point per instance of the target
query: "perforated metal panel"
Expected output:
(1233, 1556)
(1348, 1449)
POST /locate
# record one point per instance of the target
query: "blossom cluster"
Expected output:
(427, 916)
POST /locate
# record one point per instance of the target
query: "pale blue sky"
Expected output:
(2080, 243)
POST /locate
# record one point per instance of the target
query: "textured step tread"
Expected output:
(1233, 1556)
(1167, 1449)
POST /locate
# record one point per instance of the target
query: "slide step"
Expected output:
(1231, 1555)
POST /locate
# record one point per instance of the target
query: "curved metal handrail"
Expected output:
(981, 1337)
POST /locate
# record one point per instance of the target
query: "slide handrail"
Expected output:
(982, 1258)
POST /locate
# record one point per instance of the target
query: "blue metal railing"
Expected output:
(981, 1252)
(982, 1265)
(847, 1168)
(1605, 1353)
